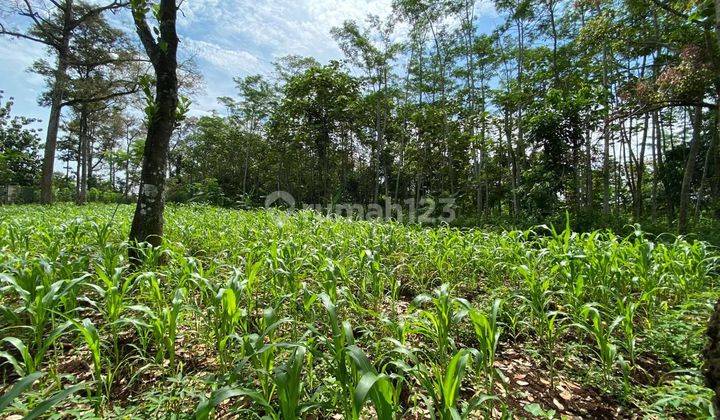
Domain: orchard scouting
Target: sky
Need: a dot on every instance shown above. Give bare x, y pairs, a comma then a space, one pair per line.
228, 38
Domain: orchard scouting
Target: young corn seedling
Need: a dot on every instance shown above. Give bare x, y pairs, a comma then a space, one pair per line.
285, 262
259, 348
333, 274
228, 315
113, 290
626, 321
341, 337
287, 382
379, 388
163, 324
40, 303
487, 332
30, 359
289, 385
553, 328
437, 322
442, 386
41, 407
371, 265
537, 302
91, 337
602, 333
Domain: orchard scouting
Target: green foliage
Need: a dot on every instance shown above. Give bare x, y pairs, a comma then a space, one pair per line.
19, 148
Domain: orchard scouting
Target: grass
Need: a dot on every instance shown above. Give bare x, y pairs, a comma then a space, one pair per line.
266, 314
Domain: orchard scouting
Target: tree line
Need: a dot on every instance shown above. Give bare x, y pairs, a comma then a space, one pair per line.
605, 109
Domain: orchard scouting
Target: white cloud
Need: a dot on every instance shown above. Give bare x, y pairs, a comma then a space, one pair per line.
227, 60
281, 27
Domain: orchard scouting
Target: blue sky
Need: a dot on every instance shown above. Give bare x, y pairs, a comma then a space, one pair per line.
228, 38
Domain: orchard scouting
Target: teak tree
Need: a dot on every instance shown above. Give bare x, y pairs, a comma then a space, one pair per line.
161, 45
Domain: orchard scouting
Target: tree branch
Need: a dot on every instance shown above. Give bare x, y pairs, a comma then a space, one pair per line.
40, 23
57, 4
146, 37
99, 10
627, 113
667, 8
103, 98
4, 31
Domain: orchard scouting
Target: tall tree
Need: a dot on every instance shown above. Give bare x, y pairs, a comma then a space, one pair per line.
162, 115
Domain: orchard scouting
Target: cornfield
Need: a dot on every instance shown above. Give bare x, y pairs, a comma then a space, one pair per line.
266, 314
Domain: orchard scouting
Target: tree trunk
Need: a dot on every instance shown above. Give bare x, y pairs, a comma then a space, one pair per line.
56, 99
606, 132
656, 167
640, 167
513, 163
706, 165
378, 146
689, 171
148, 222
84, 157
126, 193
588, 171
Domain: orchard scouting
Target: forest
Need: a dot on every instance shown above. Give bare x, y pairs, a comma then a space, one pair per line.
456, 216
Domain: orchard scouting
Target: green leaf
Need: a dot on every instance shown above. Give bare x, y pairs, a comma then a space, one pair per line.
206, 406
44, 406
18, 388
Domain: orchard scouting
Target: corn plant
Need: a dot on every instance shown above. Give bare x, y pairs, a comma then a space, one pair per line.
626, 320
341, 337
259, 349
227, 314
602, 333
285, 261
91, 337
163, 324
31, 359
42, 406
537, 301
289, 385
287, 382
382, 389
113, 290
487, 332
442, 385
437, 322
40, 299
373, 274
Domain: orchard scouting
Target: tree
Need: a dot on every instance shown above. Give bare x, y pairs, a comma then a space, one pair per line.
316, 117
162, 115
248, 117
19, 161
103, 70
373, 57
55, 27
